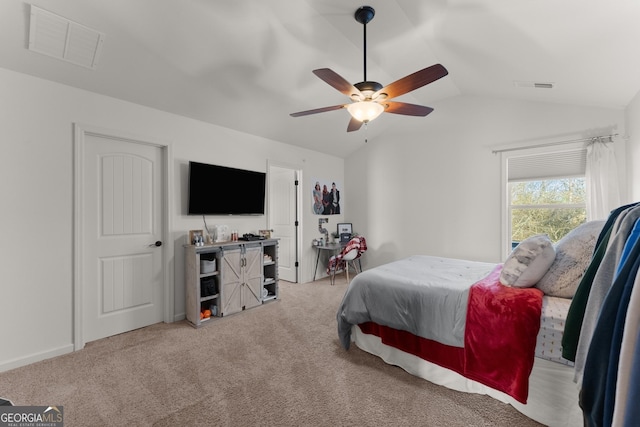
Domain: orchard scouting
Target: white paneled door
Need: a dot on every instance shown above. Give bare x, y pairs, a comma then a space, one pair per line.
122, 276
282, 219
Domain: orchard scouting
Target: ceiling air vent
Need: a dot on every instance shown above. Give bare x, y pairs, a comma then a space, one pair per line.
536, 85
61, 38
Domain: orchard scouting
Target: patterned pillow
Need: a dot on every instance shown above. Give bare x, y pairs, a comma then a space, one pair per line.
528, 262
573, 255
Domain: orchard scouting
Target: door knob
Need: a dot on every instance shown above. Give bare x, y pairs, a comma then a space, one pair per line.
157, 243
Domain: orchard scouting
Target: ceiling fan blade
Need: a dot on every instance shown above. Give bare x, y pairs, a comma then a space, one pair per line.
336, 81
407, 109
317, 110
413, 81
354, 125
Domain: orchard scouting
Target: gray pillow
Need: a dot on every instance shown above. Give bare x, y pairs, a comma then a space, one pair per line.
528, 262
573, 255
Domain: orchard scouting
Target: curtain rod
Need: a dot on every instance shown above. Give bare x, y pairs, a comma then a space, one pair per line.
558, 143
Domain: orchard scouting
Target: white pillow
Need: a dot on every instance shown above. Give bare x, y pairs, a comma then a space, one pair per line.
573, 255
528, 262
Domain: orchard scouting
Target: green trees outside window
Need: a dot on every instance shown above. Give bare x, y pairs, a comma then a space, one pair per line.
553, 207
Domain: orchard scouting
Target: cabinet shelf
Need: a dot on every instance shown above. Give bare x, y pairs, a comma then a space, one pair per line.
213, 273
209, 298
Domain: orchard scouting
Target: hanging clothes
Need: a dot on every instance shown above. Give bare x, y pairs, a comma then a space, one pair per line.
597, 396
632, 411
575, 315
602, 283
629, 361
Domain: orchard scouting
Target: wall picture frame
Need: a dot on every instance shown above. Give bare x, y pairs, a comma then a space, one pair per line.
326, 197
193, 234
345, 228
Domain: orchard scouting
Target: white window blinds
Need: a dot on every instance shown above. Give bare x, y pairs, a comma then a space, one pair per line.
547, 165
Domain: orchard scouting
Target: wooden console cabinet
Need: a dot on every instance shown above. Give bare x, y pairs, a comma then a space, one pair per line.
240, 275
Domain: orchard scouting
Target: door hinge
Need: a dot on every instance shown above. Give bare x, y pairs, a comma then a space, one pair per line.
297, 264
295, 182
296, 223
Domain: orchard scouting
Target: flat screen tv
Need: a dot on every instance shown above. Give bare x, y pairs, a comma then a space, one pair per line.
221, 190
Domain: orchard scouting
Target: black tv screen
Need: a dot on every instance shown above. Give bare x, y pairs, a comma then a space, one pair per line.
221, 190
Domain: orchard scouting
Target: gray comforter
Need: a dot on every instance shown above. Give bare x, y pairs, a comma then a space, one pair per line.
424, 295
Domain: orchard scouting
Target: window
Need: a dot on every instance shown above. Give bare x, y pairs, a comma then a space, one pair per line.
545, 193
552, 206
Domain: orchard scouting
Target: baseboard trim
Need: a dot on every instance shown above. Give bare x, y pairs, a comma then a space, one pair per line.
36, 357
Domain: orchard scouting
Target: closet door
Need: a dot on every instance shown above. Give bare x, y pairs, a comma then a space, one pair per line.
121, 217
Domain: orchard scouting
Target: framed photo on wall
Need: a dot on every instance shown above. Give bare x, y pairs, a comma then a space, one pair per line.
326, 199
345, 228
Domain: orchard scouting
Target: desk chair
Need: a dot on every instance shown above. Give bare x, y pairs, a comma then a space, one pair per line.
349, 255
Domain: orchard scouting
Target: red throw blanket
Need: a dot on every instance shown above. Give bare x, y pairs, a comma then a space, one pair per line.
500, 337
336, 262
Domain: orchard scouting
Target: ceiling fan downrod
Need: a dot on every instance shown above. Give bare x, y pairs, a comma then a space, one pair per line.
364, 15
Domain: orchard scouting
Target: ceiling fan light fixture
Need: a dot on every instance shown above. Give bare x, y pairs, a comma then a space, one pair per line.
369, 99
365, 111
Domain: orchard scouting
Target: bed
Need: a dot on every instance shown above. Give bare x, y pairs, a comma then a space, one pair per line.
439, 318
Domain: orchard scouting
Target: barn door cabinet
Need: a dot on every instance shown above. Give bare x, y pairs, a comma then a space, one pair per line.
244, 275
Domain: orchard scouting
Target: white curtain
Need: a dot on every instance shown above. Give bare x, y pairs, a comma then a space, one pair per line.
601, 174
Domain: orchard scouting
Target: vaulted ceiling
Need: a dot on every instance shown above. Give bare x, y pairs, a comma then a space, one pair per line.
247, 64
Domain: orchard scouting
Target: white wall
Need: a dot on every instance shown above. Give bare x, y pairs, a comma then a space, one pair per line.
633, 147
36, 181
436, 189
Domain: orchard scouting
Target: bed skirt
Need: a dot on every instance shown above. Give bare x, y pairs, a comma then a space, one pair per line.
553, 396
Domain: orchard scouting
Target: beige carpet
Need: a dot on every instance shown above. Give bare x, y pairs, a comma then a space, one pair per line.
276, 365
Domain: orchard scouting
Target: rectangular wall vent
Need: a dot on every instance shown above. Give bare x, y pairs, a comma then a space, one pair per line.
58, 37
536, 85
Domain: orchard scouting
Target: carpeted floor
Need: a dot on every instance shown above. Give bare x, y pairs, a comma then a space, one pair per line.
276, 365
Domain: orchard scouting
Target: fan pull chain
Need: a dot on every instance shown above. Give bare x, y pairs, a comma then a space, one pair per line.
366, 136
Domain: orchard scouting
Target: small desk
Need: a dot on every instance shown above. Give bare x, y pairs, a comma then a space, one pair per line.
333, 247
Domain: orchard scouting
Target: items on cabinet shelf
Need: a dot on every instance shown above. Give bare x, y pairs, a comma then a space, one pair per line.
202, 283
265, 233
222, 233
270, 271
196, 238
249, 237
207, 266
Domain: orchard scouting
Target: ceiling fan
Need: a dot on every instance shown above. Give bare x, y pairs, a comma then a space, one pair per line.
368, 98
